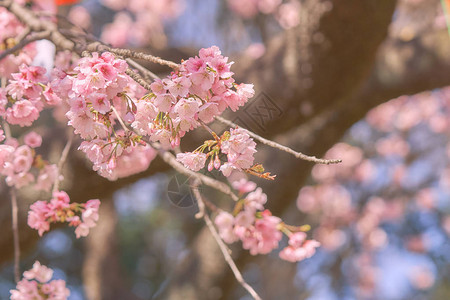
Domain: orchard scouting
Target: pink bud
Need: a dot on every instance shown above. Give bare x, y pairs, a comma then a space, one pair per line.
129, 117
217, 162
175, 142
210, 165
112, 163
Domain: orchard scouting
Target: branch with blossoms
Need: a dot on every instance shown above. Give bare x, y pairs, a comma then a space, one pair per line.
125, 121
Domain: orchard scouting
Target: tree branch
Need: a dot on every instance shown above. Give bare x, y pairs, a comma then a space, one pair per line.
281, 147
22, 43
15, 227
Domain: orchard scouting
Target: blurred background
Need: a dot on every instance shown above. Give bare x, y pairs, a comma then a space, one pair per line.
366, 81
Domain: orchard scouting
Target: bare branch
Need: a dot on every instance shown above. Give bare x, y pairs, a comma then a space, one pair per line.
136, 77
61, 162
97, 46
22, 43
125, 128
281, 147
147, 57
223, 248
35, 24
15, 228
147, 73
15, 214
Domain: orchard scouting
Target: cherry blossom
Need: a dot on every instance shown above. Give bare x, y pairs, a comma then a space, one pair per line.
259, 231
299, 248
59, 209
36, 284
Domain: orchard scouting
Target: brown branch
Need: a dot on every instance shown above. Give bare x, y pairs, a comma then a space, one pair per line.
124, 127
14, 218
147, 73
147, 57
97, 46
136, 77
15, 228
22, 43
281, 147
29, 18
61, 162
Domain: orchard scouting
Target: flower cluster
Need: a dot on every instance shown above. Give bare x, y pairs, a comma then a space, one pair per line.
236, 144
201, 89
299, 248
15, 164
98, 87
21, 100
18, 163
239, 148
259, 231
82, 216
97, 82
36, 284
115, 159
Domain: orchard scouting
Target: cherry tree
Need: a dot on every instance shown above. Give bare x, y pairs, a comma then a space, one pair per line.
123, 116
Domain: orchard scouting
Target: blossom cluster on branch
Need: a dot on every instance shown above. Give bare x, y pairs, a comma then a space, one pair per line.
259, 231
37, 284
236, 144
122, 127
83, 216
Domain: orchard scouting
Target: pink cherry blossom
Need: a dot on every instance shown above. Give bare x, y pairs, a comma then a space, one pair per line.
192, 160
225, 222
239, 148
256, 200
164, 102
299, 248
244, 186
59, 209
22, 113
36, 284
47, 177
37, 217
178, 86
33, 139
263, 237
39, 272
186, 108
99, 102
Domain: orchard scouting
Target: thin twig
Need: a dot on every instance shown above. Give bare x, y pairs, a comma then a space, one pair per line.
15, 228
61, 162
220, 186
136, 77
281, 147
125, 128
14, 213
32, 38
141, 69
133, 54
23, 34
143, 56
223, 248
209, 129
